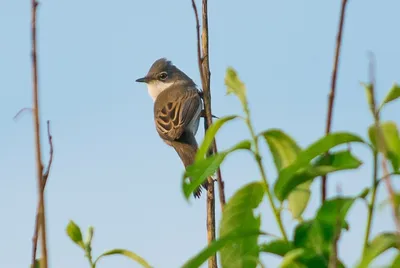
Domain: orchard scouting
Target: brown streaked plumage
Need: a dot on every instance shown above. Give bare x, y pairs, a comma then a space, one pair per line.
177, 109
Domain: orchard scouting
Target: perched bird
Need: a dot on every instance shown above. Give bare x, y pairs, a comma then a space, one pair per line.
177, 109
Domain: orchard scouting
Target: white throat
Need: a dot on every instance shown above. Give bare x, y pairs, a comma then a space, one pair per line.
156, 87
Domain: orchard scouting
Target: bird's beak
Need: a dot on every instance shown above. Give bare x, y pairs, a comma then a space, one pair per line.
143, 80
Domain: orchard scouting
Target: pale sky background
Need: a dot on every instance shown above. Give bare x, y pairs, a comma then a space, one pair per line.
112, 171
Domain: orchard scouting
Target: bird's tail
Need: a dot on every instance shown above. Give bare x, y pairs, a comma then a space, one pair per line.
186, 147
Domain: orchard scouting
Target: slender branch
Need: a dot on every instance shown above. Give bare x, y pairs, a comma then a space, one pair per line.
333, 85
44, 181
204, 68
39, 167
333, 258
212, 261
392, 194
371, 206
258, 158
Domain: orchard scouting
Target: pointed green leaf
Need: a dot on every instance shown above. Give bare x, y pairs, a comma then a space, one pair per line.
203, 168
89, 236
370, 97
278, 247
318, 234
333, 162
379, 244
302, 258
216, 245
364, 193
285, 151
74, 232
238, 217
298, 199
125, 253
394, 93
210, 135
283, 148
391, 142
335, 210
236, 86
303, 160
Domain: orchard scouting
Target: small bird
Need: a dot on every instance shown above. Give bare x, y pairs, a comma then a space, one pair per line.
177, 109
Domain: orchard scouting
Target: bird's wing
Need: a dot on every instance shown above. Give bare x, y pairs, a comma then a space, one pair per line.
176, 114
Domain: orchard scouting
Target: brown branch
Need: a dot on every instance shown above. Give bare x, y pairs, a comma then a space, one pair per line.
333, 85
204, 68
202, 59
212, 261
39, 167
392, 194
44, 181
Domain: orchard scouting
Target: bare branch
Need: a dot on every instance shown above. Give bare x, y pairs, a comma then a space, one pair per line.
333, 85
392, 194
41, 219
45, 177
20, 112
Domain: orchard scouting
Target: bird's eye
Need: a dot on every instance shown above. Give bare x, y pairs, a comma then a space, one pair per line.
163, 76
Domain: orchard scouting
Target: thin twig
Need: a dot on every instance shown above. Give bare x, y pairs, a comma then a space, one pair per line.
204, 68
212, 261
45, 177
392, 194
333, 258
203, 62
20, 112
333, 85
36, 121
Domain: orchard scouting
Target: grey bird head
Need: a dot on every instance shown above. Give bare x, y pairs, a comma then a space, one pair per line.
163, 74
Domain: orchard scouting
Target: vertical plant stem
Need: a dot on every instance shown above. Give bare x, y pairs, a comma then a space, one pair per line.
204, 68
44, 181
258, 158
392, 194
212, 262
373, 198
333, 85
36, 121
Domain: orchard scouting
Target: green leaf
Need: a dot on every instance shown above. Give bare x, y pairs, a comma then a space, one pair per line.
390, 146
285, 151
89, 237
237, 218
125, 253
210, 135
396, 261
319, 234
235, 86
216, 245
335, 210
379, 245
278, 247
302, 258
37, 264
298, 199
394, 93
370, 98
283, 148
333, 162
203, 168
364, 193
74, 232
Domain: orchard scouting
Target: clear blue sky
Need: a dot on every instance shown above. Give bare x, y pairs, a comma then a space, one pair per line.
111, 169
